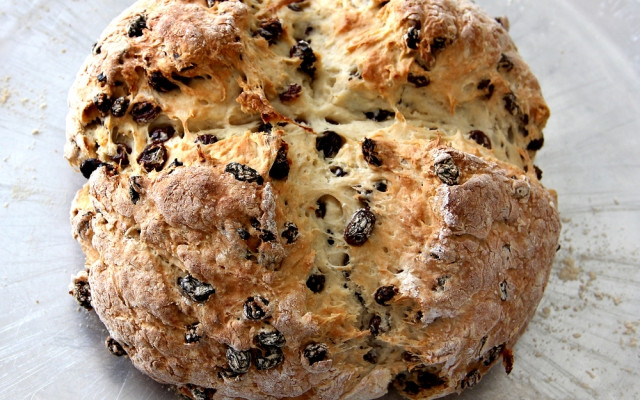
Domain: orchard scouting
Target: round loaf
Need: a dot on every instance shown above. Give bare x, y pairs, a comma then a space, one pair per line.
310, 199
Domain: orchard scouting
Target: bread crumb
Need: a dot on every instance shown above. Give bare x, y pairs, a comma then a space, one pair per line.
577, 335
570, 272
35, 131
591, 374
5, 205
5, 96
43, 106
546, 312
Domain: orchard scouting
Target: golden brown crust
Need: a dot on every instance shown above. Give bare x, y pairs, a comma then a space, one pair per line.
385, 227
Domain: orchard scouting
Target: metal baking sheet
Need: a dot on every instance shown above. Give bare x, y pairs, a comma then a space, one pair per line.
583, 342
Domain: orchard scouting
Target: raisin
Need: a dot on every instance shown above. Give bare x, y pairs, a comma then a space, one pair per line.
254, 307
510, 104
114, 347
162, 134
144, 112
293, 92
371, 357
303, 51
380, 186
271, 357
267, 236
134, 189
374, 325
471, 379
480, 138
329, 143
191, 335
359, 229
103, 103
270, 30
265, 127
418, 80
411, 387
119, 107
239, 361
321, 210
412, 38
160, 83
338, 171
447, 171
507, 360
486, 86
136, 25
370, 153
380, 115
505, 63
91, 164
121, 157
315, 352
280, 168
206, 139
210, 3
82, 293
153, 157
315, 283
535, 144
538, 172
492, 354
428, 380
295, 6
503, 290
244, 235
290, 233
200, 393
195, 289
255, 223
244, 173
385, 294
439, 43
268, 339
102, 77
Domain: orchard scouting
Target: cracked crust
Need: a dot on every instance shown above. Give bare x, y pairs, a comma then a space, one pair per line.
216, 210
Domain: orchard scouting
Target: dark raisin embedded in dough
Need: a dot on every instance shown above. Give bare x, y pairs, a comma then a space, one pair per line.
418, 80
191, 335
153, 157
315, 283
161, 83
270, 30
492, 354
535, 144
447, 171
271, 357
82, 293
292, 92
244, 235
538, 172
265, 127
239, 361
102, 77
487, 87
210, 3
267, 236
329, 143
303, 51
481, 138
370, 153
91, 164
176, 163
503, 290
255, 223
505, 63
471, 379
121, 157
254, 307
244, 173
380, 186
510, 104
114, 347
280, 168
290, 233
411, 387
428, 380
441, 281
374, 325
162, 134
385, 294
338, 171
412, 38
274, 338
134, 189
321, 209
103, 103
206, 139
195, 289
201, 393
145, 112
380, 115
136, 26
360, 228
371, 357
119, 107
315, 352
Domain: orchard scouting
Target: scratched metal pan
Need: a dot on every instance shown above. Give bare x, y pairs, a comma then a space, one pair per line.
583, 341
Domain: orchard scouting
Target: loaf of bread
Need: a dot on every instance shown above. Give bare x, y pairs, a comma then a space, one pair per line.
310, 199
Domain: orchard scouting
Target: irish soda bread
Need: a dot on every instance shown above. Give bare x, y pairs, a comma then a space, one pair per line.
312, 200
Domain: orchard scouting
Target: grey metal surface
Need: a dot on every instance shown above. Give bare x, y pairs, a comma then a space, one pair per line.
583, 343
